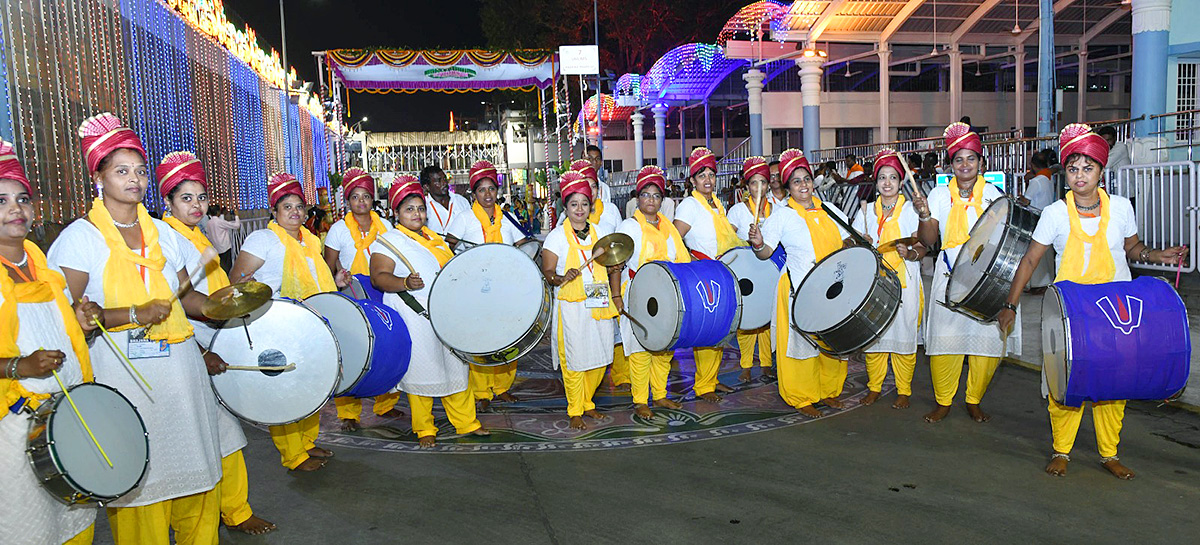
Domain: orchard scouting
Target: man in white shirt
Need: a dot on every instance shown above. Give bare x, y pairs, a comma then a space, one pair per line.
220, 233
596, 157
1118, 152
445, 209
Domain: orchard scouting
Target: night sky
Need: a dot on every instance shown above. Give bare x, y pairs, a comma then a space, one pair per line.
317, 25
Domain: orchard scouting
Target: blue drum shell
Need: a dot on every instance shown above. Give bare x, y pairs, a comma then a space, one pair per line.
391, 354
706, 321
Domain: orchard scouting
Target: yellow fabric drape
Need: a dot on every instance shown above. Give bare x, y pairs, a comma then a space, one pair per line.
656, 238
726, 235
825, 236
213, 273
597, 210
887, 230
957, 232
362, 260
1100, 268
123, 281
573, 291
298, 281
491, 230
48, 285
766, 211
431, 241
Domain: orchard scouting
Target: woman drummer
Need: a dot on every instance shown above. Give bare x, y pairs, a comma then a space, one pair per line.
133, 265
701, 221
582, 335
347, 247
654, 239
287, 257
40, 332
948, 214
184, 187
1077, 226
486, 224
434, 372
891, 218
808, 234
756, 176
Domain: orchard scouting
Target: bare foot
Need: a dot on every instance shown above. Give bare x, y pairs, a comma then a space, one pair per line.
349, 424
643, 411
977, 414
311, 464
318, 452
1118, 470
744, 376
901, 402
1058, 466
482, 405
429, 441
576, 423
668, 403
595, 415
832, 403
481, 432
937, 414
393, 413
711, 397
809, 410
871, 398
768, 372
723, 388
254, 526
507, 397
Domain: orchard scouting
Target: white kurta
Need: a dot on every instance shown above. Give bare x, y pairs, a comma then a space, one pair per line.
702, 229
433, 371
741, 216
265, 245
949, 332
180, 413
339, 238
786, 227
1054, 228
632, 228
30, 514
587, 343
473, 230
445, 220
901, 336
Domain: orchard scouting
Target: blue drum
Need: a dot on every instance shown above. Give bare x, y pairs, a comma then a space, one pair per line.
373, 340
361, 288
1119, 340
683, 305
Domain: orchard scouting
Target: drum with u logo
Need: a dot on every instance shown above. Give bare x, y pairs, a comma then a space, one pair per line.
373, 341
683, 305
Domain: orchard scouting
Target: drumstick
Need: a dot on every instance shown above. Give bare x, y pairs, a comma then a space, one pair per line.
599, 252
120, 353
908, 176
78, 415
1178, 270
288, 367
206, 257
758, 205
396, 251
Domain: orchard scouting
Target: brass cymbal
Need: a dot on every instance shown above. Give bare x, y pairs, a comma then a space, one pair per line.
236, 300
903, 241
617, 249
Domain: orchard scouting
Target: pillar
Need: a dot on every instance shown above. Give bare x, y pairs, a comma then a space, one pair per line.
660, 133
885, 84
956, 83
1045, 88
683, 151
754, 86
1081, 87
1019, 95
708, 128
810, 99
638, 153
724, 130
1151, 23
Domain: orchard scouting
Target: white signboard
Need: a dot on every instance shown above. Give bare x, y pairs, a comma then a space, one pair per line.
579, 60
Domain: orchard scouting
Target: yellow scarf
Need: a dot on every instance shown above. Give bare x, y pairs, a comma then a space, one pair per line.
766, 213
362, 260
298, 281
887, 230
825, 236
123, 281
597, 210
957, 232
1100, 268
726, 236
48, 285
656, 238
491, 230
431, 241
213, 273
576, 252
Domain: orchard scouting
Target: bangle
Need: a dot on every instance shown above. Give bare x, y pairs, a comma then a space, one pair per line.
1145, 255
133, 316
406, 288
1010, 306
759, 247
12, 368
924, 218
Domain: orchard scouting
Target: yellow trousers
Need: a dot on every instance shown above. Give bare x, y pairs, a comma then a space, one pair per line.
902, 368
294, 440
619, 373
746, 339
460, 409
807, 381
947, 369
580, 387
235, 490
1107, 417
648, 374
487, 382
196, 520
348, 408
708, 363
83, 538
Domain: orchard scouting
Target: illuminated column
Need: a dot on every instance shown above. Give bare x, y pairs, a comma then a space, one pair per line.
885, 95
638, 154
1045, 87
810, 98
754, 86
660, 133
1151, 24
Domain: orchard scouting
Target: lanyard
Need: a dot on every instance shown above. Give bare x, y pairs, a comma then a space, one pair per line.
582, 253
13, 266
449, 212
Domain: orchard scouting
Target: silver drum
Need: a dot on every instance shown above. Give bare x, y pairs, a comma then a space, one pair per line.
987, 262
847, 301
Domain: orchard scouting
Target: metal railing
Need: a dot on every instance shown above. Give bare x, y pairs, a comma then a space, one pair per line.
1165, 202
1181, 132
249, 225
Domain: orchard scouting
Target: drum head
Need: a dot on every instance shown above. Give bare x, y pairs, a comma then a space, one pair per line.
486, 298
977, 254
119, 430
281, 332
757, 280
531, 249
353, 332
656, 307
835, 289
1056, 338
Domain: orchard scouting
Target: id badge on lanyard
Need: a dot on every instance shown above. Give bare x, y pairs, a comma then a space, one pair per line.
141, 346
595, 295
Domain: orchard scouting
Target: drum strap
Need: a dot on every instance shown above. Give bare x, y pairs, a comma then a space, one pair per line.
408, 299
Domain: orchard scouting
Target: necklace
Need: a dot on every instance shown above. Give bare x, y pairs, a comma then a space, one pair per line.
582, 233
887, 207
126, 225
1087, 208
964, 194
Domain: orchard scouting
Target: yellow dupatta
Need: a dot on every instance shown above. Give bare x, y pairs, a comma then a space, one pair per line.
298, 281
726, 236
656, 238
957, 232
1100, 267
431, 241
888, 229
597, 210
825, 236
124, 284
577, 253
214, 275
47, 285
766, 213
362, 260
491, 229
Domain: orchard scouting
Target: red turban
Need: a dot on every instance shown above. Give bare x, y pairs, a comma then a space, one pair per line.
789, 161
10, 167
573, 181
651, 174
403, 186
887, 158
959, 137
103, 134
584, 167
755, 165
357, 177
483, 170
1079, 138
178, 167
281, 185
701, 157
